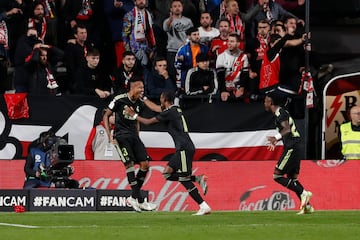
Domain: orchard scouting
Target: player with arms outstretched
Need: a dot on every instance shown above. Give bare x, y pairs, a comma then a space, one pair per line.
179, 167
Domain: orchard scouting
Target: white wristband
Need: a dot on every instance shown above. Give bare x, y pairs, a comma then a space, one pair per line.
278, 136
135, 116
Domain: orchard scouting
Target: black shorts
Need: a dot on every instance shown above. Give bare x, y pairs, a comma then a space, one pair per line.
131, 149
181, 162
289, 162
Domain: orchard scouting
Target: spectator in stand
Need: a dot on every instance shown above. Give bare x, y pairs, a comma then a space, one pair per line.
256, 48
43, 80
271, 64
37, 19
277, 27
80, 12
159, 80
88, 79
271, 11
350, 135
191, 10
98, 146
75, 56
13, 13
201, 80
233, 70
186, 56
237, 20
51, 16
206, 31
175, 26
160, 11
115, 11
220, 43
129, 69
24, 48
138, 34
292, 61
4, 46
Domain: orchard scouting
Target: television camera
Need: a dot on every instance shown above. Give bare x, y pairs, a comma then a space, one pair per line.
61, 155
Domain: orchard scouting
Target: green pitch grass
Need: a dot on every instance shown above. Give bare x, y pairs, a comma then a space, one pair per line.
339, 225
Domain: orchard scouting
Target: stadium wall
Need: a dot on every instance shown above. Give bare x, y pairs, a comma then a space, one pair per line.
220, 131
233, 185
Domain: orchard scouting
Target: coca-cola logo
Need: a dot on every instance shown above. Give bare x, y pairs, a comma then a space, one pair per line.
258, 198
169, 196
330, 163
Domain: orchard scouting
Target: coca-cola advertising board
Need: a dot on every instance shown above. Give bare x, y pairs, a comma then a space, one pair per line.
233, 185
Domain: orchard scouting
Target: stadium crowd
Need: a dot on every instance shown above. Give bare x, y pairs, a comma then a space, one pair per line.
200, 49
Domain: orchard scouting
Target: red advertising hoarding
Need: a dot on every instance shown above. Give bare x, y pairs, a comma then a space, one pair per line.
233, 185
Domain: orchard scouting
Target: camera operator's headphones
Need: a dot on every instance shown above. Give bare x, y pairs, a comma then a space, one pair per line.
47, 139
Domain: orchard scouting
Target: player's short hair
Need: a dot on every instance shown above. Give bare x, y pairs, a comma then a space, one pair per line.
276, 98
168, 96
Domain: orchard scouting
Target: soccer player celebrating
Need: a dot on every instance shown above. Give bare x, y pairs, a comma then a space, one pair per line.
128, 143
289, 162
179, 167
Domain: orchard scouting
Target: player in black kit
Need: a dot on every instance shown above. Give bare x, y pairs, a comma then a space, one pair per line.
289, 162
127, 141
179, 167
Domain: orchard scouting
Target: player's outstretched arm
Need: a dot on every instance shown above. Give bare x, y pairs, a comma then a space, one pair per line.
151, 105
147, 121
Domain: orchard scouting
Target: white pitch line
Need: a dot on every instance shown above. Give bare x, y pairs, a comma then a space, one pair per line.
17, 225
59, 227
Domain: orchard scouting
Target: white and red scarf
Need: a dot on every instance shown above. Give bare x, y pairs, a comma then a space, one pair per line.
32, 24
143, 26
261, 50
4, 38
52, 84
236, 25
233, 77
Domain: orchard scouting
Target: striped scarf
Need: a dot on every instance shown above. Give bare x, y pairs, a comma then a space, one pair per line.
4, 38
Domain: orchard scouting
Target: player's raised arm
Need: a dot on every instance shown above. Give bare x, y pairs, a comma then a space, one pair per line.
151, 105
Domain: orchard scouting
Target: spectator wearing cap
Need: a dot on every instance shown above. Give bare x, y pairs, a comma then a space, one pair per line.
201, 80
186, 56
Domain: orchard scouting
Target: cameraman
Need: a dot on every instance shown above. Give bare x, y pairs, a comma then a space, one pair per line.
38, 162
